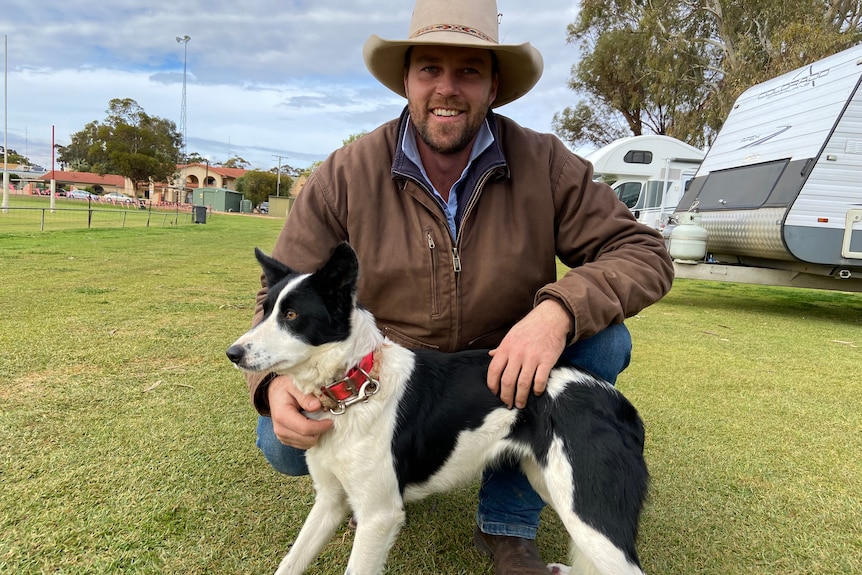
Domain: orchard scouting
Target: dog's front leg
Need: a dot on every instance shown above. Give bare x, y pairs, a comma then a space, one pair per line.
328, 512
377, 526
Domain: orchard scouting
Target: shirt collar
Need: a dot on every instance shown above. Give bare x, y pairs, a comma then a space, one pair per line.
484, 139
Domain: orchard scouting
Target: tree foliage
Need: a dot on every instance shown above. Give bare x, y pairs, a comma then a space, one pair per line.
13, 157
129, 142
235, 162
287, 171
353, 137
310, 169
195, 158
257, 186
676, 67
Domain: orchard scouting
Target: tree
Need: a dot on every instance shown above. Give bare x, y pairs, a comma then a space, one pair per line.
257, 186
195, 158
590, 124
14, 157
353, 137
634, 79
235, 162
310, 169
129, 142
77, 154
286, 170
676, 68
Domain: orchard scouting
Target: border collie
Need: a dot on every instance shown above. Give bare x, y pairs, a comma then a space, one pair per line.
411, 423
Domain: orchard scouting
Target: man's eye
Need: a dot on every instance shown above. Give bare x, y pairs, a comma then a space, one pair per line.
290, 315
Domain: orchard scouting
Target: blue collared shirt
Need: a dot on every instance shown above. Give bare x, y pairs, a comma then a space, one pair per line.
483, 140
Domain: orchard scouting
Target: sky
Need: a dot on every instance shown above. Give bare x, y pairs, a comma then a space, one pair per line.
273, 82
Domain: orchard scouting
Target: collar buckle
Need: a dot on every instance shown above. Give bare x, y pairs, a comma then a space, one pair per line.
358, 385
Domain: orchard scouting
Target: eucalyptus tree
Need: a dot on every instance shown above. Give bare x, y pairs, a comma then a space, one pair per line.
676, 67
128, 142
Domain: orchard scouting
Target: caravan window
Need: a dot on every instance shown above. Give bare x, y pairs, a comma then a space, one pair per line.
654, 196
637, 195
740, 187
638, 157
628, 193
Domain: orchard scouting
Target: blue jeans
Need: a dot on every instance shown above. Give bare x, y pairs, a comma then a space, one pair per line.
508, 505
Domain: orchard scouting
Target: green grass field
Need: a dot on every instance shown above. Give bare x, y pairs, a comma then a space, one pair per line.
127, 438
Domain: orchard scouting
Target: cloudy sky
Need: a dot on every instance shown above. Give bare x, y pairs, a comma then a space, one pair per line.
265, 78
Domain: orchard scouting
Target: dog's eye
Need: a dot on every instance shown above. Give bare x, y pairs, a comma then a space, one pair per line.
290, 314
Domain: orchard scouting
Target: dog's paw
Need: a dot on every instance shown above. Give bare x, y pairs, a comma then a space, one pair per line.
558, 569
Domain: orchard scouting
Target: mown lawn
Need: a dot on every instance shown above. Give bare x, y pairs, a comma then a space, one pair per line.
127, 439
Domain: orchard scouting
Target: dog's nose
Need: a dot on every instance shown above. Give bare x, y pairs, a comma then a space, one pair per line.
235, 353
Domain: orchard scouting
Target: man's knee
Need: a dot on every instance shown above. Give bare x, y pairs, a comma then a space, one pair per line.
605, 354
282, 458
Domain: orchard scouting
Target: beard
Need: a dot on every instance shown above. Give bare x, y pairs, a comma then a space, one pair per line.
442, 138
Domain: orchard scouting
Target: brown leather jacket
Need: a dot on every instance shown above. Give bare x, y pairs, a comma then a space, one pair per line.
530, 199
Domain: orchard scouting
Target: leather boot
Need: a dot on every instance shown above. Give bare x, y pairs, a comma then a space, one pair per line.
511, 555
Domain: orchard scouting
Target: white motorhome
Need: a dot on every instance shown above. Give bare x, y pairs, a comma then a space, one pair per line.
781, 186
648, 173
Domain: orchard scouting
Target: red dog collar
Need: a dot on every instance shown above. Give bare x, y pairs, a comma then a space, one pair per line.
357, 385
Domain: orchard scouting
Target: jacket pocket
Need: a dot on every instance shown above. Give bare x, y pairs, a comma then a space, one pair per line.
488, 340
435, 294
406, 340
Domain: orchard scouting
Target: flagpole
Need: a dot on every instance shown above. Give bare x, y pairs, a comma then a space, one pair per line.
53, 174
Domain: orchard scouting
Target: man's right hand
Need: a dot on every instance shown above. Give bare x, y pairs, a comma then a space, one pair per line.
286, 406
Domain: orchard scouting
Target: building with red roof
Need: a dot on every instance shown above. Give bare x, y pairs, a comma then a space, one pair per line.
195, 175
81, 180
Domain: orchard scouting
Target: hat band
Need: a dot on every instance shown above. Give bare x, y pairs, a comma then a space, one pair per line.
453, 28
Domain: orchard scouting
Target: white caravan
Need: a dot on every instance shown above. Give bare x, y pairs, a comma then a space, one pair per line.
648, 173
781, 186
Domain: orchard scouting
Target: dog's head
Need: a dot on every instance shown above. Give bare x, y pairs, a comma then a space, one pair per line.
301, 313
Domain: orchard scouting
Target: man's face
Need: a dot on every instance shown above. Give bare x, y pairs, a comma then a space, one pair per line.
449, 91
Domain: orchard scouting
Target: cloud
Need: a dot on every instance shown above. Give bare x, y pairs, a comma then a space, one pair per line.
264, 77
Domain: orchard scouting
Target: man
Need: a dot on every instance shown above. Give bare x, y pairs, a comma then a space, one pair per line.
457, 214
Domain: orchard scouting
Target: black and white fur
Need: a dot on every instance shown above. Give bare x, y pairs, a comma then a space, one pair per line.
434, 425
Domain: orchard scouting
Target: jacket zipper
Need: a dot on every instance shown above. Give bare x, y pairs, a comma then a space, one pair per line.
456, 259
474, 198
456, 256
456, 249
456, 253
435, 303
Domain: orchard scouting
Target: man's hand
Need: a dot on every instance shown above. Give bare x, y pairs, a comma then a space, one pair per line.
525, 357
291, 426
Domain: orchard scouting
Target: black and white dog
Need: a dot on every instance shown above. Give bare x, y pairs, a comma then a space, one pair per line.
411, 423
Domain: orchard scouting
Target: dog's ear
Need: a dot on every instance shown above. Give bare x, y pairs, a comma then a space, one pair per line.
342, 269
337, 278
273, 270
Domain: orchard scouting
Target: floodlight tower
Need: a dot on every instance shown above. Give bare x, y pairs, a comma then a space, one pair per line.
184, 40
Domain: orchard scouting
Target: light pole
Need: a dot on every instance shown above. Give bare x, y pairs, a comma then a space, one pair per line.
184, 40
5, 123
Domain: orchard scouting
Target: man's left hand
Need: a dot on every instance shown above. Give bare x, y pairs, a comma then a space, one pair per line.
525, 357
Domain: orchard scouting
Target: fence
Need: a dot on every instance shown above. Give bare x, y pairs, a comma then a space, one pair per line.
44, 218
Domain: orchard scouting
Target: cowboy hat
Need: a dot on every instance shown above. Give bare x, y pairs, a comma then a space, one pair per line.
464, 23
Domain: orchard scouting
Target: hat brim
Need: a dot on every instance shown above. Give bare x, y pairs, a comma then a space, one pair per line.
521, 65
